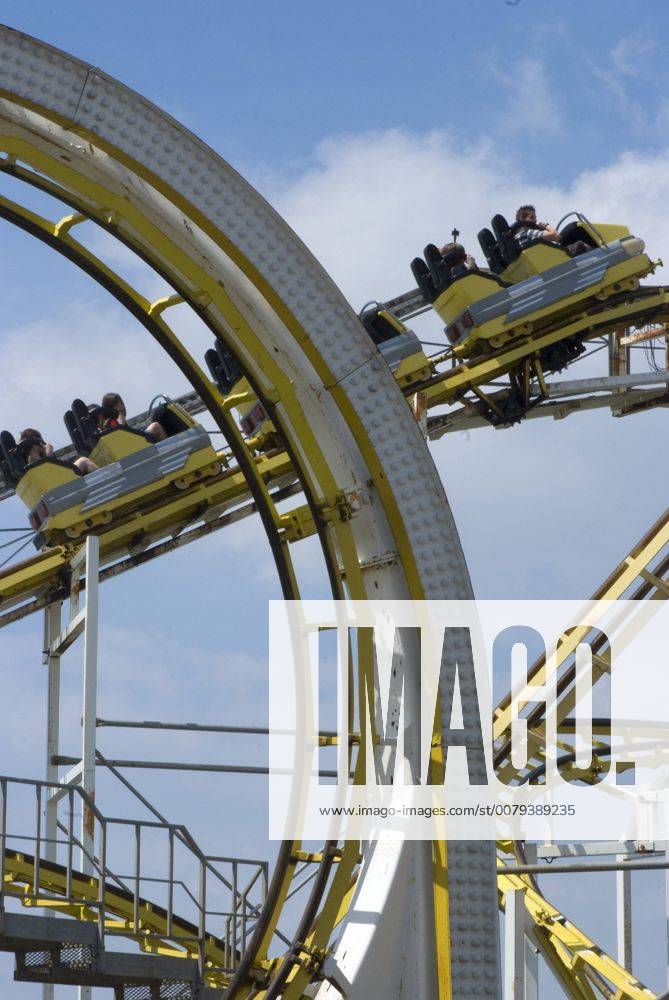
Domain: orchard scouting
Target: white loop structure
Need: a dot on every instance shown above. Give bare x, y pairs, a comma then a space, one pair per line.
186, 210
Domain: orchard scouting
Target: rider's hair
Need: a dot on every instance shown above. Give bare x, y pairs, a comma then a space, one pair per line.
524, 211
30, 432
454, 248
111, 404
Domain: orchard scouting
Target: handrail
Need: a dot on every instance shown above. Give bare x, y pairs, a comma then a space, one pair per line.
242, 914
584, 219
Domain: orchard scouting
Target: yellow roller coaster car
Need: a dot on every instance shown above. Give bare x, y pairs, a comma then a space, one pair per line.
514, 263
254, 421
135, 474
536, 288
399, 346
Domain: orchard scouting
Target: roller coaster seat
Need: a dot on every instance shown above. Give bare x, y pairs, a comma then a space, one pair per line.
421, 273
400, 347
440, 272
173, 417
520, 263
66, 505
380, 324
103, 446
576, 234
83, 425
12, 463
32, 480
116, 442
438, 266
507, 246
474, 311
491, 251
224, 367
228, 376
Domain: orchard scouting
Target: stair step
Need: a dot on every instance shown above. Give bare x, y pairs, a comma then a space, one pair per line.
67, 952
168, 990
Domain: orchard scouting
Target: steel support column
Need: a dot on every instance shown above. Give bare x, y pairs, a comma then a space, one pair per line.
52, 620
514, 945
83, 622
624, 916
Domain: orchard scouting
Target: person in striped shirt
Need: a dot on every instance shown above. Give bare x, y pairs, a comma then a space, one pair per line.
527, 230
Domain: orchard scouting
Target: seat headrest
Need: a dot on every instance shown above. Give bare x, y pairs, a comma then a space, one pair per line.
86, 420
421, 273
12, 463
223, 366
491, 249
499, 225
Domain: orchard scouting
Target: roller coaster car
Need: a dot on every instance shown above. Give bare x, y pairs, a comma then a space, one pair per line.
399, 346
254, 420
514, 263
114, 443
136, 475
484, 310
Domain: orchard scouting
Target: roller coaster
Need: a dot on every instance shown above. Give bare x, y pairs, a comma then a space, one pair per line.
326, 417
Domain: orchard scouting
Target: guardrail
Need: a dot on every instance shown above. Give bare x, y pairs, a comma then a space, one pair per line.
155, 863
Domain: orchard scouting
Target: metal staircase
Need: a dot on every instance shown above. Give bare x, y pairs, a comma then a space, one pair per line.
69, 952
187, 956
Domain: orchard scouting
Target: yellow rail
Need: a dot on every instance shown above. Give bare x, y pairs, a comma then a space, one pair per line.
568, 949
43, 572
631, 579
151, 934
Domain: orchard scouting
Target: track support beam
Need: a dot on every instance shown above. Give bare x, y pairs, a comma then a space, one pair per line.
514, 945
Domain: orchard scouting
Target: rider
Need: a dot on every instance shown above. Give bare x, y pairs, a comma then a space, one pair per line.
527, 230
34, 448
113, 414
458, 259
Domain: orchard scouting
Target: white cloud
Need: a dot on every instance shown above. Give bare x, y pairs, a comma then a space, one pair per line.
524, 498
632, 53
369, 203
631, 62
84, 351
532, 105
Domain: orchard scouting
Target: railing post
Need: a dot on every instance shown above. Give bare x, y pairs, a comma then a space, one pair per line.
202, 903
3, 840
666, 912
234, 914
70, 844
170, 882
90, 698
226, 957
624, 916
265, 880
38, 838
531, 951
52, 623
244, 918
138, 855
514, 945
102, 883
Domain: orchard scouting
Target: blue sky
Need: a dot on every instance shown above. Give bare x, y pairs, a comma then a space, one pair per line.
267, 82
374, 129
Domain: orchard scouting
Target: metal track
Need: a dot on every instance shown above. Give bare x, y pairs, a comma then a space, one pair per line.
311, 362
